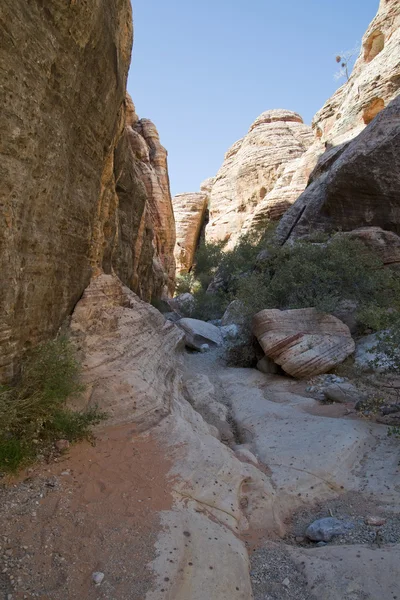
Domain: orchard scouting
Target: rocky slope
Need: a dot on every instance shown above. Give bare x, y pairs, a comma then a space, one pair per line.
74, 202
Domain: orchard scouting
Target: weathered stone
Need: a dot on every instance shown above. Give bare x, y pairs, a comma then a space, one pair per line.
190, 211
384, 244
84, 182
267, 366
343, 392
304, 342
367, 355
323, 530
57, 146
135, 358
183, 303
198, 333
356, 185
233, 314
251, 169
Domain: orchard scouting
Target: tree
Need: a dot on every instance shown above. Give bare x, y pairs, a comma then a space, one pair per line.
346, 60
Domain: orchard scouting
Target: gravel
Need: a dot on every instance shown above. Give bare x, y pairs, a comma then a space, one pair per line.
352, 508
275, 576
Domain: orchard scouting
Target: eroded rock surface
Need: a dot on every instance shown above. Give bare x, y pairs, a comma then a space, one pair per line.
354, 185
190, 211
84, 183
252, 167
304, 342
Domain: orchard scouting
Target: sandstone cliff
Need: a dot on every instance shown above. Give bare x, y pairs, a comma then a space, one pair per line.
190, 211
354, 185
264, 173
251, 169
73, 202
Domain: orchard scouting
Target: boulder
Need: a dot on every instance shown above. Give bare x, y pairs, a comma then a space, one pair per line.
233, 314
343, 393
183, 303
323, 530
367, 356
267, 366
304, 342
384, 244
199, 334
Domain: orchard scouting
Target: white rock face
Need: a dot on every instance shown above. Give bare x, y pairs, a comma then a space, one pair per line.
251, 169
189, 210
132, 366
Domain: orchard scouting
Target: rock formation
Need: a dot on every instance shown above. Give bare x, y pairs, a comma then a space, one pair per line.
354, 185
264, 173
252, 167
374, 81
132, 367
73, 201
190, 211
304, 342
142, 237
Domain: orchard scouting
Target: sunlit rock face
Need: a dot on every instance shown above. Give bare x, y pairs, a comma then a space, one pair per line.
76, 200
251, 168
190, 212
374, 82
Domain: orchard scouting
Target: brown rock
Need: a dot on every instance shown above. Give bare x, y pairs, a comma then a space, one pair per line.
304, 342
64, 67
190, 211
355, 185
385, 244
62, 445
81, 193
251, 169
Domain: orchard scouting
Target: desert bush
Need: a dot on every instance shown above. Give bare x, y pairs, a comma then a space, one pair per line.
184, 283
321, 276
32, 409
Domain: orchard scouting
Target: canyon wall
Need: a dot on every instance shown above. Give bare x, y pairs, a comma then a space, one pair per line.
74, 203
190, 213
264, 173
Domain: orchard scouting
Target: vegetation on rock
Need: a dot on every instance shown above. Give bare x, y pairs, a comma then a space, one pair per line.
33, 414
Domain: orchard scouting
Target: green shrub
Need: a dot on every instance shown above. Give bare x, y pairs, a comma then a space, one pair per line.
32, 410
321, 276
184, 283
208, 306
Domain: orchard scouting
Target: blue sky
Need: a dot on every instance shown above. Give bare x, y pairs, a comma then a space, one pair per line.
204, 70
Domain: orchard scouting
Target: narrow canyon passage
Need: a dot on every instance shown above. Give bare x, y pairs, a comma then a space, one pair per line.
174, 513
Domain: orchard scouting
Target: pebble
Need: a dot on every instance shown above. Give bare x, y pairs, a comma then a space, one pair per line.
323, 530
286, 582
62, 445
98, 577
321, 544
376, 521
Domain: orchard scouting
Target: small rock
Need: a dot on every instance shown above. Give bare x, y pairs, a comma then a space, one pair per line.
97, 577
204, 348
286, 582
376, 521
299, 539
323, 530
62, 445
321, 544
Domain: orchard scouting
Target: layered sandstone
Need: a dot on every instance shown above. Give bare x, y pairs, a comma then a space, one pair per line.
75, 201
251, 169
132, 368
374, 81
190, 212
304, 342
354, 185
